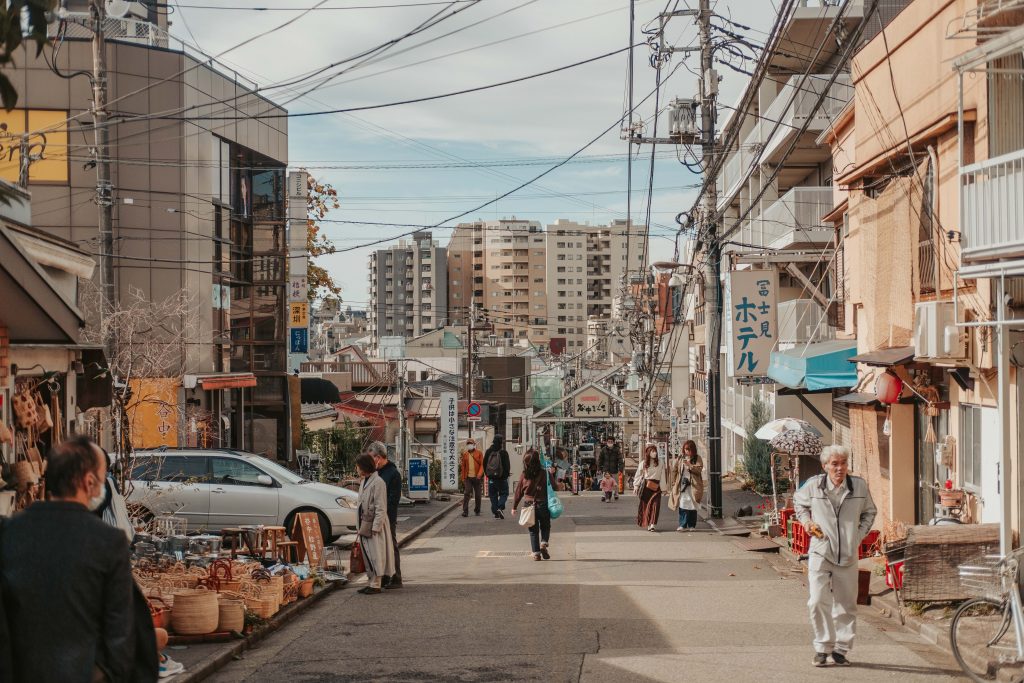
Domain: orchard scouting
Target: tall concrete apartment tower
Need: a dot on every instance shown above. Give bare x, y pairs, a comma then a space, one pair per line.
500, 266
585, 266
408, 288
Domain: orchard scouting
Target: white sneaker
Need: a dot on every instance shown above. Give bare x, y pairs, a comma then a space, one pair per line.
650, 528
679, 528
169, 667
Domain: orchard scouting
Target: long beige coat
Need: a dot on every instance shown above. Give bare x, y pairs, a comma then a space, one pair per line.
378, 548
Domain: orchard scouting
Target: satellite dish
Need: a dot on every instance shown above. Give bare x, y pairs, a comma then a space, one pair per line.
117, 8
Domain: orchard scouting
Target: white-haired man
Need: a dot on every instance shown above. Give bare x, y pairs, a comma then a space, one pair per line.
837, 511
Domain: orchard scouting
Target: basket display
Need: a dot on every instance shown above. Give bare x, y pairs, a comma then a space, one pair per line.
231, 613
195, 612
927, 563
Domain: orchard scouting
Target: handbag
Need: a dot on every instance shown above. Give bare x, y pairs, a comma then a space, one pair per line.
554, 504
528, 515
355, 559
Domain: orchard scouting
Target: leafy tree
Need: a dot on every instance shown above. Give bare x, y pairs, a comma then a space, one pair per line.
20, 20
757, 452
322, 199
337, 447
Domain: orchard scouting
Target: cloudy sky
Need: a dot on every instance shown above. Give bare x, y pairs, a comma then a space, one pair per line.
420, 164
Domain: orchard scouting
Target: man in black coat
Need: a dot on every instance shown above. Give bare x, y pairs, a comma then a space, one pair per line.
608, 460
387, 471
497, 468
66, 582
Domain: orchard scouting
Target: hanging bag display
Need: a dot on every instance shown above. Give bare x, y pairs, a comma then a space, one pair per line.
25, 413
6, 435
44, 420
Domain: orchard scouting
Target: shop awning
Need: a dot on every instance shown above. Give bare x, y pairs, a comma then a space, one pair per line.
885, 358
859, 398
221, 380
815, 366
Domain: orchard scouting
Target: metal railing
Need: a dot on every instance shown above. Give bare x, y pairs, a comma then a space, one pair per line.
798, 211
794, 105
992, 208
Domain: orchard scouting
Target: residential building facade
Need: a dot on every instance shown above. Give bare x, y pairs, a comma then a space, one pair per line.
408, 288
198, 215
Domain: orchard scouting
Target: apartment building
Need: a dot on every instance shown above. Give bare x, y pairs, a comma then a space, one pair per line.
774, 194
585, 267
198, 207
408, 288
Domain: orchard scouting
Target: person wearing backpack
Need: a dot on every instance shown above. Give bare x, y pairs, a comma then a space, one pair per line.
497, 469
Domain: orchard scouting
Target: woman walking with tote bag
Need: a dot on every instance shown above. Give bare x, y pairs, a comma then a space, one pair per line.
648, 484
532, 491
374, 528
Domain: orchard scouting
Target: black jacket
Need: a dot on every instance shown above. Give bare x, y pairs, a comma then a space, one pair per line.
506, 466
608, 460
393, 480
68, 595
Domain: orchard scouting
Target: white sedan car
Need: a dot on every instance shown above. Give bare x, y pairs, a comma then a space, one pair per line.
218, 488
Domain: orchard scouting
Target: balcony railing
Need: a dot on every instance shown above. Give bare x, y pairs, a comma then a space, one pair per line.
796, 219
992, 213
794, 105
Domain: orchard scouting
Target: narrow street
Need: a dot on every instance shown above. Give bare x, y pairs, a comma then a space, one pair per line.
614, 603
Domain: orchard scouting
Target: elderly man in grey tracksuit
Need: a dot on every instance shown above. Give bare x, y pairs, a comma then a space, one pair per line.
837, 511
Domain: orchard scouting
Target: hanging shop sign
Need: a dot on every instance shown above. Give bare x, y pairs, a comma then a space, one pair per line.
591, 403
298, 340
153, 412
298, 315
449, 416
753, 321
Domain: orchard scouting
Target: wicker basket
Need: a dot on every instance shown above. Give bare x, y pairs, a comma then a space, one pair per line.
24, 474
934, 554
306, 588
261, 598
231, 613
195, 612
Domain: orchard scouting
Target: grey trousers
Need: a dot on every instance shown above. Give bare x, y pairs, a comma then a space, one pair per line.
832, 604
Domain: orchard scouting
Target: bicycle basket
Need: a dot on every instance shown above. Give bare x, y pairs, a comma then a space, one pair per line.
982, 577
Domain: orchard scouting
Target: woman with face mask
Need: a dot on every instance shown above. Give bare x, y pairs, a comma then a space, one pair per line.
648, 485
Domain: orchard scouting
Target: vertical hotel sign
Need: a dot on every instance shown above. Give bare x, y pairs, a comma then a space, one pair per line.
753, 317
298, 260
448, 441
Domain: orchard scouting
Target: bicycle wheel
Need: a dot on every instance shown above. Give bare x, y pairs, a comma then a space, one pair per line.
981, 637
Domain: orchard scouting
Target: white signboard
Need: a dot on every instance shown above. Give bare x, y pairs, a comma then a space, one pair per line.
753, 314
591, 403
674, 447
449, 416
662, 452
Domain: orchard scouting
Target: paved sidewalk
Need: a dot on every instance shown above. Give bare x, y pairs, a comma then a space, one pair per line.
615, 603
201, 661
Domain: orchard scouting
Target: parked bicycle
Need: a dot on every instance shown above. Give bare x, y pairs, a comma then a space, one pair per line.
987, 632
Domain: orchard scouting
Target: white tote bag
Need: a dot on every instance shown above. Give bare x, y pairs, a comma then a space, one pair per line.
528, 515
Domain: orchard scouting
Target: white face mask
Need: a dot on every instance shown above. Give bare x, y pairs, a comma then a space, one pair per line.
96, 501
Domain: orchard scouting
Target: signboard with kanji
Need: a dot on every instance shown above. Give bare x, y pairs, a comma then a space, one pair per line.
306, 533
298, 315
591, 403
448, 440
298, 340
753, 321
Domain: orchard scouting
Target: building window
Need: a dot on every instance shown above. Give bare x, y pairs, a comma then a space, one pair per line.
517, 385
517, 429
970, 446
486, 386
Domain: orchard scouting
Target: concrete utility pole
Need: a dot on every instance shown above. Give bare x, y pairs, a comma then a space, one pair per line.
104, 187
470, 352
402, 441
712, 272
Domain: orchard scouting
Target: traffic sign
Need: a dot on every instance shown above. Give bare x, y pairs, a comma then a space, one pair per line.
473, 410
474, 418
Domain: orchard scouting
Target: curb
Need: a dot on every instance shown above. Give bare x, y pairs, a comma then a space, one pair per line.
211, 665
216, 662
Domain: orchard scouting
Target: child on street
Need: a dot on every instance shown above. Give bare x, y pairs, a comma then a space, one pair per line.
608, 487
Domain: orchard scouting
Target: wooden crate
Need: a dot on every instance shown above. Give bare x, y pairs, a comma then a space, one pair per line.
934, 555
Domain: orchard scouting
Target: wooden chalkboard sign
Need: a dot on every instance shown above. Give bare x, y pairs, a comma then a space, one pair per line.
306, 532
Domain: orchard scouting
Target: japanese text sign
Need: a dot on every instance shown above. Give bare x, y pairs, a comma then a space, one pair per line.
590, 403
753, 298
449, 416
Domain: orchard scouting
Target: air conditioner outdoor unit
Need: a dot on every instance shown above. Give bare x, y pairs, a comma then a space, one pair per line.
936, 335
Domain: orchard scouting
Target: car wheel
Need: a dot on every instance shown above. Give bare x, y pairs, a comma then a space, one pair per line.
325, 525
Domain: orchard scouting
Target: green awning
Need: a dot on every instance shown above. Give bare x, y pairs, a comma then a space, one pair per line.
814, 367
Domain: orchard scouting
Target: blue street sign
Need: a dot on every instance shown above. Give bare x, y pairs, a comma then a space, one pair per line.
299, 338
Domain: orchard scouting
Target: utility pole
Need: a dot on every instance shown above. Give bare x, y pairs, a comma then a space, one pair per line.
470, 352
712, 272
402, 439
104, 187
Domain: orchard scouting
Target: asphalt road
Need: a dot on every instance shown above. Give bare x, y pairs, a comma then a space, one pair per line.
614, 603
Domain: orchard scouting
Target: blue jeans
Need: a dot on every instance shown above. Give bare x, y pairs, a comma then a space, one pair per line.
540, 532
687, 518
497, 491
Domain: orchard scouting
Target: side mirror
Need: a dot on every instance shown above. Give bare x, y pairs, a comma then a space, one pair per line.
265, 480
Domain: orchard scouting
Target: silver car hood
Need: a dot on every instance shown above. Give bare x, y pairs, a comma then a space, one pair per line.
328, 490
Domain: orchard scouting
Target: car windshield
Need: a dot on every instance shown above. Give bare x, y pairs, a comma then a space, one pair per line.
273, 469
